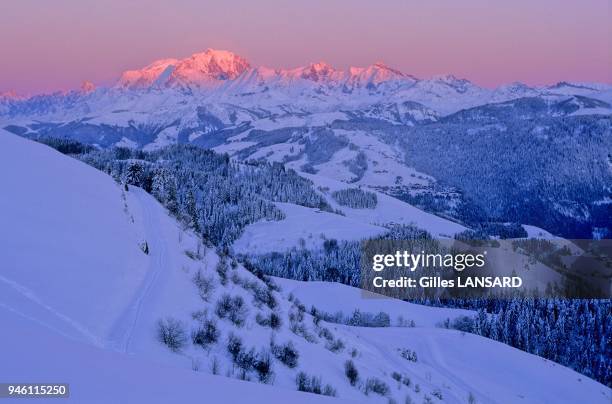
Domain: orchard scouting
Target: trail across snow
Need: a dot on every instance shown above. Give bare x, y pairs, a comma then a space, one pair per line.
31, 297
129, 321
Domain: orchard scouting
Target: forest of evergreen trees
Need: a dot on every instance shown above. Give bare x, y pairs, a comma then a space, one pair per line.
576, 333
217, 197
549, 172
355, 198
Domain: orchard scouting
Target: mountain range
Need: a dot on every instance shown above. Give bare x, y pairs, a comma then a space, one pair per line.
358, 125
224, 76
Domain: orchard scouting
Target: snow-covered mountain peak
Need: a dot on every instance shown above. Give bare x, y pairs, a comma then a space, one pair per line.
203, 69
515, 86
318, 72
87, 87
145, 77
565, 84
375, 74
9, 95
215, 64
514, 90
384, 67
452, 81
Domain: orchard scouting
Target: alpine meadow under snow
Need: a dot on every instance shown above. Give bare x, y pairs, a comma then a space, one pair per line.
194, 233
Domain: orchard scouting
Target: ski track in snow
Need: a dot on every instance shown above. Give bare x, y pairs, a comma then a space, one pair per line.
31, 296
157, 252
129, 320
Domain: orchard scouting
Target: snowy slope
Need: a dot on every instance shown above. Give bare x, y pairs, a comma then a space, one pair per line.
67, 237
335, 297
102, 376
309, 228
313, 226
91, 310
390, 211
493, 372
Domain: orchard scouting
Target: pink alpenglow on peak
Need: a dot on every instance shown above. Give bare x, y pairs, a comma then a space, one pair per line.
204, 69
216, 68
319, 71
209, 66
88, 87
376, 74
146, 76
9, 95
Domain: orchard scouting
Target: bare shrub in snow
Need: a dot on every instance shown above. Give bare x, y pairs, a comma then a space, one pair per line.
404, 322
263, 367
232, 308
171, 332
245, 361
316, 318
301, 330
335, 346
214, 366
236, 279
351, 372
264, 295
329, 390
326, 333
312, 384
286, 353
306, 383
205, 284
408, 354
273, 320
296, 314
234, 346
377, 386
206, 334
222, 269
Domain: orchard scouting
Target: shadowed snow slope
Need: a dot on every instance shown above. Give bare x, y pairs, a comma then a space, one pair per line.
332, 297
66, 239
32, 353
78, 292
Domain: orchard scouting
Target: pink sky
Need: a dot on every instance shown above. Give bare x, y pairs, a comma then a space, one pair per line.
55, 45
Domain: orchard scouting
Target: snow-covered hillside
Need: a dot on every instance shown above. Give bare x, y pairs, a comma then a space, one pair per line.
308, 227
88, 269
66, 224
32, 352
